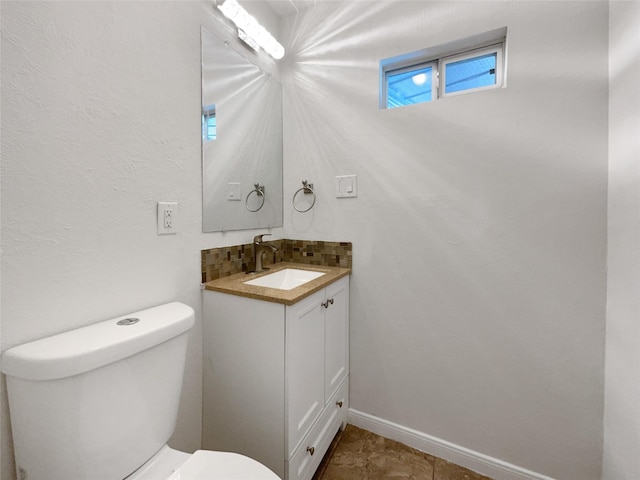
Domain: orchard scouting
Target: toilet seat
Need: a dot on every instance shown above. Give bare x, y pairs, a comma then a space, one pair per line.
209, 465
172, 464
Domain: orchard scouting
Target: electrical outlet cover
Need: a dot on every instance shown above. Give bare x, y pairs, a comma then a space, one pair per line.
167, 217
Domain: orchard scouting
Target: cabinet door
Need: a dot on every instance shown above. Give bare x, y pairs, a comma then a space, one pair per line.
305, 366
336, 335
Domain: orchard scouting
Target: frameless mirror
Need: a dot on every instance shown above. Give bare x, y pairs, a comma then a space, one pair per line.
241, 141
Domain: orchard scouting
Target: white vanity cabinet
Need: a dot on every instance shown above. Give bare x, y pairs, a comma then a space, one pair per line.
276, 377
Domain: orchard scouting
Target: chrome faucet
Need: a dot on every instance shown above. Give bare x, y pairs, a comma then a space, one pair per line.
259, 249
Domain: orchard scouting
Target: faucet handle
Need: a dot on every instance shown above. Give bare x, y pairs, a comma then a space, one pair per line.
258, 238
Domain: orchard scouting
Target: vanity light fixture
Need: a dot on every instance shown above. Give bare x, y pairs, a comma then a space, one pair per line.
250, 31
242, 35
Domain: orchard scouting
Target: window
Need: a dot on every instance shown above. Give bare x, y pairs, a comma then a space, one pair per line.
209, 130
467, 65
409, 85
472, 71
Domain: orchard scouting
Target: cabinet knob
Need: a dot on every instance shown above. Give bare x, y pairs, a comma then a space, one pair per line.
311, 450
339, 403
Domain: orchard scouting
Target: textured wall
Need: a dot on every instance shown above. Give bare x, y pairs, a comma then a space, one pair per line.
622, 388
100, 120
488, 335
488, 332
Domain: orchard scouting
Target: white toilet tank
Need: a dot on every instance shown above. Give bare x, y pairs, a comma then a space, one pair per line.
97, 402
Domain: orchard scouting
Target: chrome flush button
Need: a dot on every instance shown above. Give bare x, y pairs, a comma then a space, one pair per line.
128, 321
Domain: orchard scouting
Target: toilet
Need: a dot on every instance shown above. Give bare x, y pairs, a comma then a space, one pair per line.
101, 402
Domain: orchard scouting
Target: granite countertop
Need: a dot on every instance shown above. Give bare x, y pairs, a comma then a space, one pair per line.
235, 285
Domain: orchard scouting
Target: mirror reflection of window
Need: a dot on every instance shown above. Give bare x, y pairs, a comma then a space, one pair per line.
209, 122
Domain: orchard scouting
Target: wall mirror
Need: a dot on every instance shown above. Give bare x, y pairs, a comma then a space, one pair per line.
241, 141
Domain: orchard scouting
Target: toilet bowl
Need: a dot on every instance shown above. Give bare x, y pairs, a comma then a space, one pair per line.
100, 403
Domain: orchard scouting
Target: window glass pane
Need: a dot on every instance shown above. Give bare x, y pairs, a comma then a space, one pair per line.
470, 73
211, 127
209, 123
406, 87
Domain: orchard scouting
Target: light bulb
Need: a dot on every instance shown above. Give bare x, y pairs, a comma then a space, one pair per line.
419, 79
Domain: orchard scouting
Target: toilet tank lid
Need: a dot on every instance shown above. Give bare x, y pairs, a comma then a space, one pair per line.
87, 348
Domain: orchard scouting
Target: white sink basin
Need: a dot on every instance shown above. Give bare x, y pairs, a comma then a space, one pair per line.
286, 279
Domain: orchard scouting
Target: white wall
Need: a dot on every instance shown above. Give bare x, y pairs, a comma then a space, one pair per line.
100, 120
484, 328
479, 230
622, 387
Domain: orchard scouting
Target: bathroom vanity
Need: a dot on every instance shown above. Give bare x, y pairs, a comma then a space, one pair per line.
276, 368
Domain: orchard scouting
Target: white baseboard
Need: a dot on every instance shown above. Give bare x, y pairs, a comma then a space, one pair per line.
478, 462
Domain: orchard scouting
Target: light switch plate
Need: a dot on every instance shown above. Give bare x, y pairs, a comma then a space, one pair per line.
346, 186
234, 192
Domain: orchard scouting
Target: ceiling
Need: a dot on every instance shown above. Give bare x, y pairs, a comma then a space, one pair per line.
289, 7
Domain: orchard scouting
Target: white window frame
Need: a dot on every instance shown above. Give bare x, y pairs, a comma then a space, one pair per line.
441, 55
442, 69
408, 68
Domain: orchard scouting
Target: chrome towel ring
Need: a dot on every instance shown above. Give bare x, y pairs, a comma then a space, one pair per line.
307, 188
258, 190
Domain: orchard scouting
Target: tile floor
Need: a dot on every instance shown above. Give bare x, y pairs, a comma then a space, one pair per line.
357, 454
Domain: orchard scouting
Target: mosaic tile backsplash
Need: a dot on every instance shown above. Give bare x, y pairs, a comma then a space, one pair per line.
225, 261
